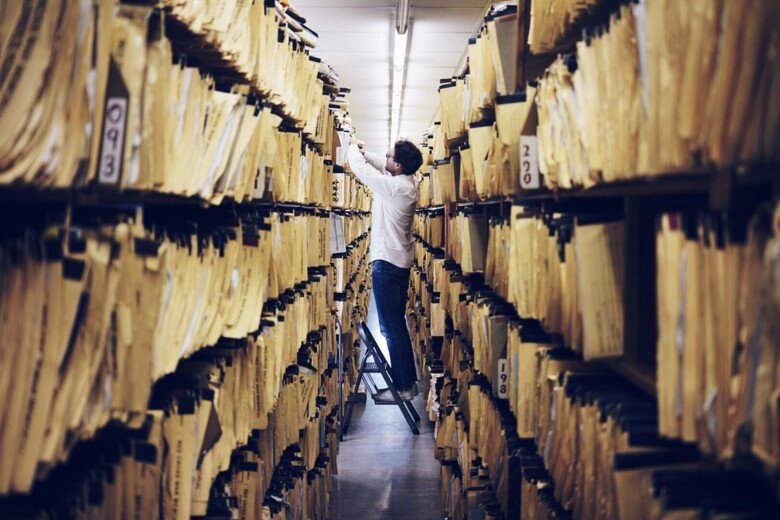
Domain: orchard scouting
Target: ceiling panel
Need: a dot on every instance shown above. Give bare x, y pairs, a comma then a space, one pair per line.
445, 20
449, 4
434, 58
438, 42
356, 39
358, 43
305, 5
360, 19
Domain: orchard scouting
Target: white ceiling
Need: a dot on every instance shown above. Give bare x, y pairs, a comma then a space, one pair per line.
356, 39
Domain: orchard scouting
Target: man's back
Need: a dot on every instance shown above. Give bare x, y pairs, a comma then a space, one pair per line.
392, 210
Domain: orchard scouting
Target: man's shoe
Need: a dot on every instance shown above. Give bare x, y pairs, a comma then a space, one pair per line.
385, 396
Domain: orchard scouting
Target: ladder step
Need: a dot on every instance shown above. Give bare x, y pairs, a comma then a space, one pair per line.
373, 368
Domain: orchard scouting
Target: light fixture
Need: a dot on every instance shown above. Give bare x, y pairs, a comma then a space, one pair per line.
399, 52
399, 65
402, 16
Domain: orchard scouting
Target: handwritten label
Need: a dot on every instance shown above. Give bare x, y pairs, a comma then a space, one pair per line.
529, 162
503, 379
113, 141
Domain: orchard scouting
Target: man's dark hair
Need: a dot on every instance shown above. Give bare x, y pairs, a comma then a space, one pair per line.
408, 156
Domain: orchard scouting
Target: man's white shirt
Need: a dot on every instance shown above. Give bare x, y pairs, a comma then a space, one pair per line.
392, 209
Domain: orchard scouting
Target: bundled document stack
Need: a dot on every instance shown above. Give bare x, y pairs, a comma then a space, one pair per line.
636, 101
567, 276
602, 446
164, 462
138, 116
483, 458
122, 304
49, 135
717, 355
476, 145
348, 191
264, 42
451, 109
171, 361
488, 164
545, 302
553, 22
424, 190
429, 226
467, 241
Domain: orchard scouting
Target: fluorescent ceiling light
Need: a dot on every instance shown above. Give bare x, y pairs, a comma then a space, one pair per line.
399, 65
402, 16
399, 52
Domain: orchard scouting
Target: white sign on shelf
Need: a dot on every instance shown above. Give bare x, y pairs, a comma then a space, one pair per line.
503, 379
529, 162
113, 141
337, 242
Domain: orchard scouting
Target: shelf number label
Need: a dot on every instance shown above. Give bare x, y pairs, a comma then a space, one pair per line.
503, 379
113, 141
529, 162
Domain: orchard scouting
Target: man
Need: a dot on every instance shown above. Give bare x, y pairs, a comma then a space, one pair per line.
392, 250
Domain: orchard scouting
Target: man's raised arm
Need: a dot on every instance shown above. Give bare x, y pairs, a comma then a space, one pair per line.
371, 176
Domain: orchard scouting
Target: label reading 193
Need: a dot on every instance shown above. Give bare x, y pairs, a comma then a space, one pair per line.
529, 162
503, 379
113, 141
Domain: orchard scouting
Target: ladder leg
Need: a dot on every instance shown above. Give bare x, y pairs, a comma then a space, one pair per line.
373, 349
351, 398
412, 411
401, 404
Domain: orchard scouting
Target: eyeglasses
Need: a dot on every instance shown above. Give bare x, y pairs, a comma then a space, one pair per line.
388, 156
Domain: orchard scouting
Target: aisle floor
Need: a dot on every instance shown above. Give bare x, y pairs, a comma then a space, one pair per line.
385, 471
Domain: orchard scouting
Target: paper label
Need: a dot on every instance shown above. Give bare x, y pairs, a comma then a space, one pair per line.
337, 241
503, 379
113, 141
529, 162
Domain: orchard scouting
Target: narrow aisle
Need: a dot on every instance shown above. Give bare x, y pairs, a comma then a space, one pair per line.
386, 472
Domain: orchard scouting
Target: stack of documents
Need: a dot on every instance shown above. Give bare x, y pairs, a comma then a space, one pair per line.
716, 344
53, 89
444, 180
482, 118
502, 33
348, 191
553, 22
262, 41
481, 80
451, 104
168, 458
138, 117
126, 303
467, 240
424, 190
696, 100
600, 442
429, 227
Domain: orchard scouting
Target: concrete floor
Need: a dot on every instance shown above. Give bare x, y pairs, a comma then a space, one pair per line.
385, 471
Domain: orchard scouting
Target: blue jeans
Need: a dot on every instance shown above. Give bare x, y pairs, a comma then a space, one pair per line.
390, 294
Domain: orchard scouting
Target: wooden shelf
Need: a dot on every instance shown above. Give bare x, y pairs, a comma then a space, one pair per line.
94, 196
639, 376
702, 183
